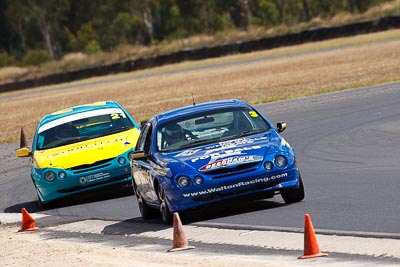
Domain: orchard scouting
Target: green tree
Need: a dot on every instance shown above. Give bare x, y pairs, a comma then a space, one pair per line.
266, 13
145, 13
86, 39
94, 25
48, 16
122, 27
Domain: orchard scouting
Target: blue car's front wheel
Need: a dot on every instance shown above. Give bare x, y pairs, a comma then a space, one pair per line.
166, 214
292, 195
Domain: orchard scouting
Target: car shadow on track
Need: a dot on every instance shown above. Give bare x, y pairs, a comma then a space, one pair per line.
228, 208
108, 193
208, 212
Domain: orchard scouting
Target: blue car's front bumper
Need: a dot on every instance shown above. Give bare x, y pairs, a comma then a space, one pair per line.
216, 190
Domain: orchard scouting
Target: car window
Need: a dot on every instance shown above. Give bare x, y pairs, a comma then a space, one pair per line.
145, 138
72, 129
203, 128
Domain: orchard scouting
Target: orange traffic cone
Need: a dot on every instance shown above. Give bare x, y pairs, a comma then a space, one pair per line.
28, 223
180, 242
311, 248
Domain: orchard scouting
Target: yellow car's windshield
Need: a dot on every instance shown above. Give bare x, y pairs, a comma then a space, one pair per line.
75, 129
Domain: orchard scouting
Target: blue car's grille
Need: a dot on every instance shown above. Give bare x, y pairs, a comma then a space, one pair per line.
225, 172
90, 167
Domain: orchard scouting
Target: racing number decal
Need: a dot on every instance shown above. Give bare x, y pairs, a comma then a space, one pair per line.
116, 116
253, 114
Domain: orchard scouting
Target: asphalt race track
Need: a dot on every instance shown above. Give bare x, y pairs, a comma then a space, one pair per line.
348, 149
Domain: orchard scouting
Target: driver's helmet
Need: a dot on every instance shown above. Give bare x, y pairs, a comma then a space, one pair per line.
174, 133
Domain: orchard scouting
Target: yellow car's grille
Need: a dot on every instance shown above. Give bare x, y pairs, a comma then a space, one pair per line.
90, 167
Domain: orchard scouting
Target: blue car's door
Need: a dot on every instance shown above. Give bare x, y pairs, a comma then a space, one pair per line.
143, 174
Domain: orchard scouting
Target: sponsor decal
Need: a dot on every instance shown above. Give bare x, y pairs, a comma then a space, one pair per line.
226, 153
212, 146
162, 172
187, 153
223, 163
94, 177
236, 185
223, 149
214, 156
240, 141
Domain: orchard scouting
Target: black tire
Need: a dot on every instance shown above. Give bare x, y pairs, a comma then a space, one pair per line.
43, 206
47, 205
293, 195
166, 215
146, 211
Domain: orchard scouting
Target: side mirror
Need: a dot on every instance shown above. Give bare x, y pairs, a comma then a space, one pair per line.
143, 123
281, 126
139, 155
23, 152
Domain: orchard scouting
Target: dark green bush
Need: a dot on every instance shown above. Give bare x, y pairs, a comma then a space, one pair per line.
92, 47
36, 57
3, 59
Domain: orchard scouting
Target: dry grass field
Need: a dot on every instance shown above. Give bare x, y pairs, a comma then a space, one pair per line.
286, 73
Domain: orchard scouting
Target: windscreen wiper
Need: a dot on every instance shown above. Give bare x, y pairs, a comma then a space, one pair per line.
72, 141
121, 129
255, 131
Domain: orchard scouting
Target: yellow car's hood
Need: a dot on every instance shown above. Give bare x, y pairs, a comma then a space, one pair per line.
86, 152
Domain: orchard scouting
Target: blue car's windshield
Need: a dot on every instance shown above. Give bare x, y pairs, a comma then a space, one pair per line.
73, 129
204, 128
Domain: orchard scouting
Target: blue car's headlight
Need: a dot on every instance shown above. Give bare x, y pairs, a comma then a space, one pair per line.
183, 181
198, 180
281, 161
268, 165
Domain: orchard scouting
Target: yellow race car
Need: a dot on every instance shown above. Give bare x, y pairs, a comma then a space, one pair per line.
81, 148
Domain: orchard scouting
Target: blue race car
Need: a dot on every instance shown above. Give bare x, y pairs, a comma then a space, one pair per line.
81, 148
204, 153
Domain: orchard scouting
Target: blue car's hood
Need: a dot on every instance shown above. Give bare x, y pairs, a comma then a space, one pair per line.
229, 153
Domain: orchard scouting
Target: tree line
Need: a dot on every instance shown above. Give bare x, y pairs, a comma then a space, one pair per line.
58, 27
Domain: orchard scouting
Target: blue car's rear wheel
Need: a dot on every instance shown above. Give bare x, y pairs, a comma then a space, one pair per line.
292, 195
166, 214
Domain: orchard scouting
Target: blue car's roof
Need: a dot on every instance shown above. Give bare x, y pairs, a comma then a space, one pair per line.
78, 109
202, 107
